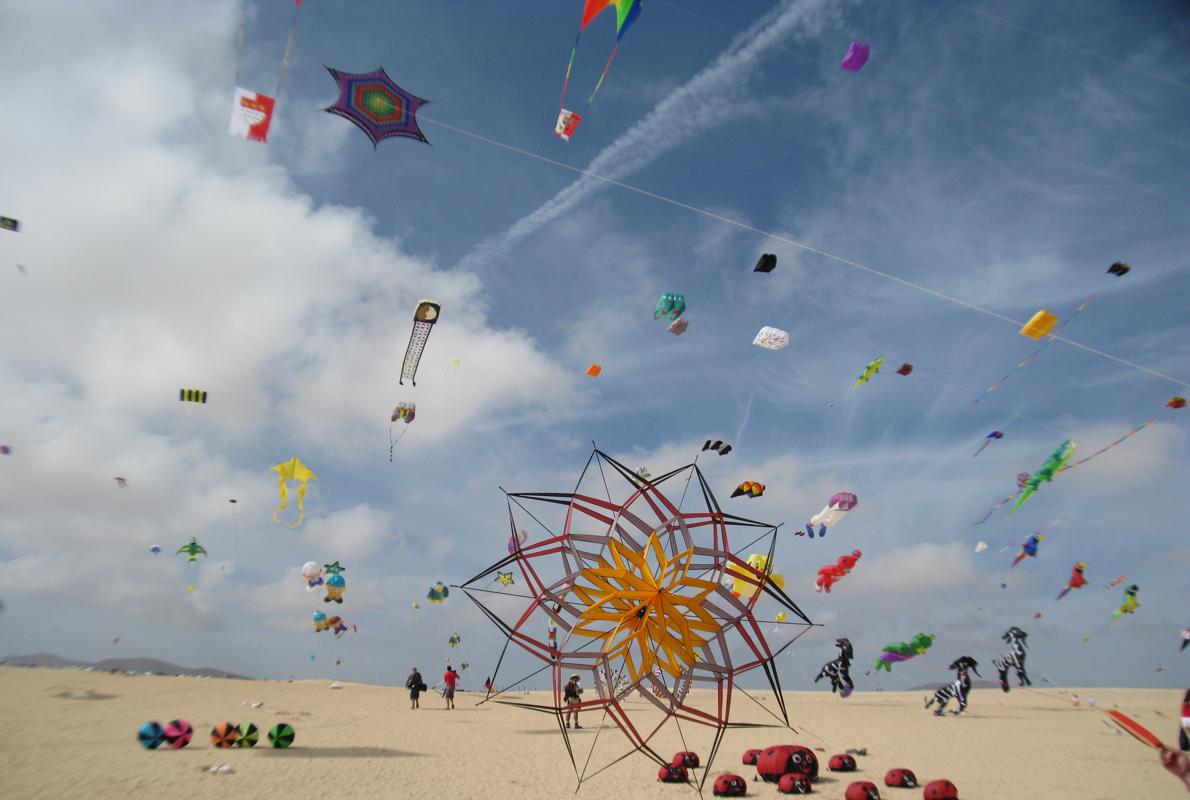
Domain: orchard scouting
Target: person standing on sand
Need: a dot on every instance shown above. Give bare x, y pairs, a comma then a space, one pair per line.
572, 694
416, 686
450, 679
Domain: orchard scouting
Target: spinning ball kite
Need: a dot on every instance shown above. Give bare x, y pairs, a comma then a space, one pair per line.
633, 587
377, 105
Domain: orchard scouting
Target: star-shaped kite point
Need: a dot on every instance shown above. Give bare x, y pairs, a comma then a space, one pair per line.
333, 569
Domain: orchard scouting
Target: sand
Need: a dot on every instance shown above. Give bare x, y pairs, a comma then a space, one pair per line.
73, 734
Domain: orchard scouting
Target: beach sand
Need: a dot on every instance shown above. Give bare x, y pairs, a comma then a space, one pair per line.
73, 734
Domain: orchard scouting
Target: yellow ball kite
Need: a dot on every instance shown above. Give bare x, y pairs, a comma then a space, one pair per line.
292, 470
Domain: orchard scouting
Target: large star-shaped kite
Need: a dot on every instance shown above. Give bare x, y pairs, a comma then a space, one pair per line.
377, 105
333, 569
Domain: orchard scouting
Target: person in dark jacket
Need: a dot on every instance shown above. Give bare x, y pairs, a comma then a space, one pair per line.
416, 686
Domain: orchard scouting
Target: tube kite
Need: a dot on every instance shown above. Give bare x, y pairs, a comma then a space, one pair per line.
424, 318
292, 470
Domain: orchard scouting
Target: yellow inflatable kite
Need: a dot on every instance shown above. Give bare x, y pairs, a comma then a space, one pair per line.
292, 470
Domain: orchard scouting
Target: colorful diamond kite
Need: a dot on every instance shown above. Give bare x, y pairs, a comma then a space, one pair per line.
377, 105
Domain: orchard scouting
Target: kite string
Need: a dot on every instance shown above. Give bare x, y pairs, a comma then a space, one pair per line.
297, 6
800, 245
240, 39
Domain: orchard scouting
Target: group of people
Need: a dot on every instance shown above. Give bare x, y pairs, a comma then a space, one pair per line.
416, 684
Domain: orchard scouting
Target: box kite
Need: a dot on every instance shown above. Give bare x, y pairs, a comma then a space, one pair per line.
192, 396
251, 115
424, 318
377, 105
292, 470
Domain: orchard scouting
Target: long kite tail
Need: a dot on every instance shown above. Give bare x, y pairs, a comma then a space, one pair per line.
1020, 501
981, 447
1064, 592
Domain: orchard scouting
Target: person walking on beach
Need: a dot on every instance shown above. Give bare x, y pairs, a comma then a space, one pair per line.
416, 686
450, 679
572, 694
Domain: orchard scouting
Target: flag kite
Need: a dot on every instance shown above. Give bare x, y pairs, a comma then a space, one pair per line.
192, 395
376, 105
292, 470
424, 318
251, 115
626, 13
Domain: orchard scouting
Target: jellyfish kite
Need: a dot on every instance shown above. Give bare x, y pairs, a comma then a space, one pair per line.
626, 13
839, 504
406, 413
870, 369
424, 317
121, 482
377, 105
1049, 470
991, 437
1078, 579
1129, 603
292, 470
896, 652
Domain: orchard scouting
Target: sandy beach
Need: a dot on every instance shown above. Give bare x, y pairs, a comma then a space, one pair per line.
71, 733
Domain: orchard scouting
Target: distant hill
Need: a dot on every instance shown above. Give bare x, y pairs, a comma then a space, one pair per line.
978, 683
141, 665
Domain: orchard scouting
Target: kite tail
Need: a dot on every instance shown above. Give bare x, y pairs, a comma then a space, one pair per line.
240, 38
283, 491
301, 506
1064, 592
297, 6
599, 83
1025, 495
981, 447
569, 65
1018, 559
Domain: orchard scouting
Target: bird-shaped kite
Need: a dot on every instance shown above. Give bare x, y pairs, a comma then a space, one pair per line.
192, 549
1029, 548
991, 437
1077, 579
292, 470
1129, 604
871, 369
1176, 402
1052, 466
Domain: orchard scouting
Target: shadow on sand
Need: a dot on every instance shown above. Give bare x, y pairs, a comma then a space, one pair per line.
337, 752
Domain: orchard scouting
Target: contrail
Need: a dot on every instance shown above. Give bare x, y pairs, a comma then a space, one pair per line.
686, 112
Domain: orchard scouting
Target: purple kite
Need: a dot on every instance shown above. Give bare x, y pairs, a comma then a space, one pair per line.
991, 436
857, 56
377, 105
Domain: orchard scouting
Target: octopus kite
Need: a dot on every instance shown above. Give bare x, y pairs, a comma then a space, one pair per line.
834, 572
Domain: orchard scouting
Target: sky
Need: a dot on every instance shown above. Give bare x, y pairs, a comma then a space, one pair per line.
989, 161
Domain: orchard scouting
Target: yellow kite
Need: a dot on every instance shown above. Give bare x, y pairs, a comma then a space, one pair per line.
292, 470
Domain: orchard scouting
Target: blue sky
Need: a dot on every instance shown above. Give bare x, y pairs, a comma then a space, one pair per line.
1001, 154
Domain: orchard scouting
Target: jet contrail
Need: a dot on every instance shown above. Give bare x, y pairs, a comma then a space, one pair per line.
686, 112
